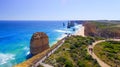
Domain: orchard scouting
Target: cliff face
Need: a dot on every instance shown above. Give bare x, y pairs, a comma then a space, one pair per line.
90, 29
106, 30
39, 42
110, 33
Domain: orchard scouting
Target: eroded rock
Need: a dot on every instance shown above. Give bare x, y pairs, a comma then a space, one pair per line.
39, 42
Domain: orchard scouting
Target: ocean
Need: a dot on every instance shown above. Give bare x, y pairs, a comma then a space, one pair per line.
15, 38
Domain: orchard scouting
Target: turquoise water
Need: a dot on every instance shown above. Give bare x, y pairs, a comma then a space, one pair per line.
15, 38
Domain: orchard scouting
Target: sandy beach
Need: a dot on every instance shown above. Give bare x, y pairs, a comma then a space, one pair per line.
80, 31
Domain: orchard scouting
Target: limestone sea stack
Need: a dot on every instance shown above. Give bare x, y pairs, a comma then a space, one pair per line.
39, 42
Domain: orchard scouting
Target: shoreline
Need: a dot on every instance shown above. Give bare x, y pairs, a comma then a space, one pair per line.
37, 59
80, 31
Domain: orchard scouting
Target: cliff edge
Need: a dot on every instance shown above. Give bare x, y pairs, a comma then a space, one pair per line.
100, 29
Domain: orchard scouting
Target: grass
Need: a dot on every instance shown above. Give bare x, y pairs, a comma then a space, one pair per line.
109, 52
108, 26
104, 25
73, 53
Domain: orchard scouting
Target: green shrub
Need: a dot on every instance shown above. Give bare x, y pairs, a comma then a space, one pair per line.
76, 56
40, 66
72, 47
88, 57
68, 63
80, 64
61, 59
94, 61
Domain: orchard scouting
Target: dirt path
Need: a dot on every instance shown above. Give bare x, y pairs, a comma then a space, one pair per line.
45, 65
102, 64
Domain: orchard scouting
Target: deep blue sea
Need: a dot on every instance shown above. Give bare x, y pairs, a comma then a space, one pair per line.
15, 38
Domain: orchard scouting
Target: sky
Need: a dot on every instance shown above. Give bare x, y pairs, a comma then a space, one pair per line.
59, 9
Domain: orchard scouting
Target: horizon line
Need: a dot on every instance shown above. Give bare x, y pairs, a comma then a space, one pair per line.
66, 20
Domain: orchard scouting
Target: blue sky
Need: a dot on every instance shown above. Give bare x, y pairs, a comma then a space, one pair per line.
59, 9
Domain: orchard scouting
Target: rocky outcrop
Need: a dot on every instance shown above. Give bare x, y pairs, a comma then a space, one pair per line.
70, 24
39, 42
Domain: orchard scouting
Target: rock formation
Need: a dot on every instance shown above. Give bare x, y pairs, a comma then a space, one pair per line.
39, 42
70, 24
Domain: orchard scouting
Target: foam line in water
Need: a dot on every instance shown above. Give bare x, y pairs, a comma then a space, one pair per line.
63, 31
62, 36
4, 58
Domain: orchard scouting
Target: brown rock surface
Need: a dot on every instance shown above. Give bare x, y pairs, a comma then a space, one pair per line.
39, 42
92, 29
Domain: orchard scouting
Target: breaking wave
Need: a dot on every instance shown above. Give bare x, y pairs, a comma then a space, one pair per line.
6, 57
62, 36
63, 31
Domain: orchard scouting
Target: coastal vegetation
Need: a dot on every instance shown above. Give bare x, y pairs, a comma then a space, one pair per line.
73, 53
109, 52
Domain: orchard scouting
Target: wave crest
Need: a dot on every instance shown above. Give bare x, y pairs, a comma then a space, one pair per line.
63, 31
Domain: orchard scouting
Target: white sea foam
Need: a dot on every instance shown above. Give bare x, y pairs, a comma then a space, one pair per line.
26, 48
28, 53
6, 57
63, 31
62, 36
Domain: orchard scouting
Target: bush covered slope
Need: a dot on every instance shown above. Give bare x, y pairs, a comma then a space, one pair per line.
73, 53
109, 52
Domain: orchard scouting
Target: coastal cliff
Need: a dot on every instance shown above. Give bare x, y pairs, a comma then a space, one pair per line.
90, 29
102, 29
39, 42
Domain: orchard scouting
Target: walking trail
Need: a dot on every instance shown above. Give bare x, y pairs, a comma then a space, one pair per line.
102, 64
41, 61
79, 32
